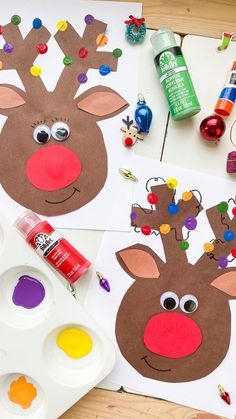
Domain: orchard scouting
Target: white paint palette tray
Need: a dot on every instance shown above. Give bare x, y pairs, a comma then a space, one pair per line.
39, 379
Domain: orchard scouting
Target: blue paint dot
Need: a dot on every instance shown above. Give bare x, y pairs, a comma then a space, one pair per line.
229, 235
173, 209
37, 23
104, 69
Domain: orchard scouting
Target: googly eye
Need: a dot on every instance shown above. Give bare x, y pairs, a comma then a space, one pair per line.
42, 134
188, 303
60, 131
169, 300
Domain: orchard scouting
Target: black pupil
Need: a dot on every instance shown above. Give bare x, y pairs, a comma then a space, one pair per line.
42, 136
190, 306
169, 303
62, 133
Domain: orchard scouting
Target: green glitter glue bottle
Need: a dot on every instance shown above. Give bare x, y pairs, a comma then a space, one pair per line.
174, 76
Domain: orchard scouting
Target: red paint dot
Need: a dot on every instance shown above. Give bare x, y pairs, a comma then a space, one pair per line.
152, 198
234, 211
83, 52
42, 48
146, 230
1, 29
128, 142
233, 252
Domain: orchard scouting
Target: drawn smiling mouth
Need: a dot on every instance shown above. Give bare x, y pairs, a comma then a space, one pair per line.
149, 365
66, 199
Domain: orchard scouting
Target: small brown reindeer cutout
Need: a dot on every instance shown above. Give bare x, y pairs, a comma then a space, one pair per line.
174, 322
53, 157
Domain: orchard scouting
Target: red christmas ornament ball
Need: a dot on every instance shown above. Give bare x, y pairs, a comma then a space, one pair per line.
212, 127
146, 230
152, 198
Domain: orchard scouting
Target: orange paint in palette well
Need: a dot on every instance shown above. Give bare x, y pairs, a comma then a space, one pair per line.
21, 392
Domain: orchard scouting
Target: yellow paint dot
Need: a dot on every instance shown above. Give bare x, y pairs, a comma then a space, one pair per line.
75, 342
35, 70
101, 40
21, 392
171, 183
208, 247
1, 65
186, 196
164, 228
62, 25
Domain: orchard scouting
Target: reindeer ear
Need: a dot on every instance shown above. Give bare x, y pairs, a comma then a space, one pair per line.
10, 98
102, 102
226, 283
138, 261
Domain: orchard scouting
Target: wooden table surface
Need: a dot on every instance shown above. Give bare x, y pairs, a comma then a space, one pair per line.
198, 17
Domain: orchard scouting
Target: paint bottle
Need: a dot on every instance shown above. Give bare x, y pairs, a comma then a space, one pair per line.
174, 76
227, 96
52, 247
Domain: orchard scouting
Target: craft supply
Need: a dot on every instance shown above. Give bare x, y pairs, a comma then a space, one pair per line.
131, 134
212, 128
135, 30
28, 293
231, 162
226, 38
75, 342
174, 76
103, 282
143, 115
227, 96
126, 173
22, 393
224, 394
51, 246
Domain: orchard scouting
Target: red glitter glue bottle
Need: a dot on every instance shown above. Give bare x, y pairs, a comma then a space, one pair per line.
51, 246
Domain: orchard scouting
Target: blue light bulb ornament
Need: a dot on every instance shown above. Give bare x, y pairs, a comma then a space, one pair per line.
143, 115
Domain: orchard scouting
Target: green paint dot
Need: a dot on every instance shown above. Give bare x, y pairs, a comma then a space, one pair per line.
67, 60
117, 52
15, 20
184, 245
223, 207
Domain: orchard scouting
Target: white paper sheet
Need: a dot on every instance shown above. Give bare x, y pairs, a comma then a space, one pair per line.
200, 394
108, 210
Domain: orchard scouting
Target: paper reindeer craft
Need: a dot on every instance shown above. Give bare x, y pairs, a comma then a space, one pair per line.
174, 322
52, 153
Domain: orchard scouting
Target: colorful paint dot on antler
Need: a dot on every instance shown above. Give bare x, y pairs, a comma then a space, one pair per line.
171, 183
117, 52
42, 48
222, 262
68, 60
89, 19
35, 70
186, 196
133, 216
146, 230
223, 207
190, 223
208, 247
83, 52
82, 78
233, 252
1, 29
101, 40
1, 65
184, 245
152, 198
229, 235
104, 69
164, 228
37, 23
234, 211
173, 209
8, 47
62, 25
15, 19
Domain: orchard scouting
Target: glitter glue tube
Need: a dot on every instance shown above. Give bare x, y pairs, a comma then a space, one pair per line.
51, 246
227, 96
174, 76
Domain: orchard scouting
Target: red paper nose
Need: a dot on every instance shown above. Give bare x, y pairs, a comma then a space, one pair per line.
53, 167
172, 335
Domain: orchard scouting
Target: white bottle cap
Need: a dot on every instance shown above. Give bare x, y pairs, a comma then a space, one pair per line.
162, 39
26, 222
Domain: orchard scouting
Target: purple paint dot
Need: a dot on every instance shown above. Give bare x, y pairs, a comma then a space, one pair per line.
28, 293
82, 78
222, 262
8, 47
190, 223
89, 19
133, 216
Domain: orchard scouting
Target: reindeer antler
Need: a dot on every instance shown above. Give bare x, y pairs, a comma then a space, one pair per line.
127, 122
24, 54
70, 43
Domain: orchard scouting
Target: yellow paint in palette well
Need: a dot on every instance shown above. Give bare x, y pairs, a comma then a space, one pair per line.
75, 342
21, 392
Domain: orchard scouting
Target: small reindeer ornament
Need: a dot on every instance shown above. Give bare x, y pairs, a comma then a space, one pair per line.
131, 134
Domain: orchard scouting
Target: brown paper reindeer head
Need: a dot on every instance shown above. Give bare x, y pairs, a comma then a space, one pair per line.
174, 322
53, 158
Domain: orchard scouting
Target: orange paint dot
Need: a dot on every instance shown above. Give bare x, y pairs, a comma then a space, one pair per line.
186, 196
101, 40
164, 228
208, 247
1, 65
22, 393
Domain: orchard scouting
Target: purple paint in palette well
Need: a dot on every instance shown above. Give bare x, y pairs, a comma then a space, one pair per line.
28, 293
